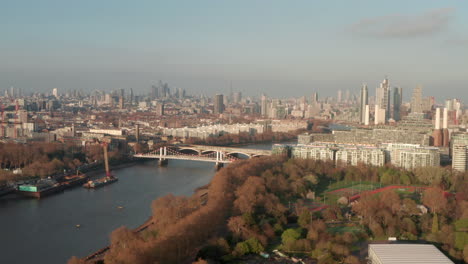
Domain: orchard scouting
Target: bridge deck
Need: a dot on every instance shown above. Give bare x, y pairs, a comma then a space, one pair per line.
176, 157
203, 148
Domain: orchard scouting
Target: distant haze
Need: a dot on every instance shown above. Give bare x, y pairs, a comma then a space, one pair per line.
281, 48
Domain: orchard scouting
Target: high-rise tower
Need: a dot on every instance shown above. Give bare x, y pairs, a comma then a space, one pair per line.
397, 101
416, 100
218, 104
383, 97
364, 101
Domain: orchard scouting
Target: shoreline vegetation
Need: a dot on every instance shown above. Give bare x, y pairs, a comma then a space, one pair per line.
261, 204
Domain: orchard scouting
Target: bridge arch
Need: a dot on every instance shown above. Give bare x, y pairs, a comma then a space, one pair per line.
208, 151
239, 154
188, 151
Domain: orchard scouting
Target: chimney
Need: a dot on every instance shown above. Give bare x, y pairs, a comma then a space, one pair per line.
437, 119
137, 133
445, 123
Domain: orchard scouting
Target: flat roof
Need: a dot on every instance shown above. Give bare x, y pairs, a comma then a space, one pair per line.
408, 253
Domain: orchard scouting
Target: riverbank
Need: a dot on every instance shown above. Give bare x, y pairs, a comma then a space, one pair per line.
100, 170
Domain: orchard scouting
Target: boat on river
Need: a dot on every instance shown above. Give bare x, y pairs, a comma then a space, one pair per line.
108, 179
40, 188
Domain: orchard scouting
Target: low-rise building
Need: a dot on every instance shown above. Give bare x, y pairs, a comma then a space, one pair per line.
406, 253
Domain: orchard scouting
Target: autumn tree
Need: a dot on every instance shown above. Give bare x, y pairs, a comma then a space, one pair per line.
434, 198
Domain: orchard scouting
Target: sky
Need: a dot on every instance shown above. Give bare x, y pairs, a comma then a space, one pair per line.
280, 48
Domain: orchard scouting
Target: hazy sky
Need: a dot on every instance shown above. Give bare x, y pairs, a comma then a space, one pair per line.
281, 48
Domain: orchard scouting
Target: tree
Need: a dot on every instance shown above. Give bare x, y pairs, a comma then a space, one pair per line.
351, 260
434, 198
75, 260
200, 261
126, 248
305, 218
291, 235
435, 224
251, 245
465, 253
391, 200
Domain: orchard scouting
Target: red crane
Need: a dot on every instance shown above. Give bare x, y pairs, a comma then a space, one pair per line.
106, 159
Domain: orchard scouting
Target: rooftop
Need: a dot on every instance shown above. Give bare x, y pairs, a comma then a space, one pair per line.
408, 253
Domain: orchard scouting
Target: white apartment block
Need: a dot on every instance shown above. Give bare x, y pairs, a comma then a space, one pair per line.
355, 155
459, 157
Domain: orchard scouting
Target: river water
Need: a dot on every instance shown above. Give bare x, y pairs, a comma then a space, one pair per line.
44, 231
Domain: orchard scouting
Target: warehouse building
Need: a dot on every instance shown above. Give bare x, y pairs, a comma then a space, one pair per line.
406, 253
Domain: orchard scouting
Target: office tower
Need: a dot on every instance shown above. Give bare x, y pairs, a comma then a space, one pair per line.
218, 104
339, 96
160, 109
154, 92
416, 100
397, 101
383, 97
314, 98
459, 157
264, 106
121, 102
108, 99
237, 97
12, 92
446, 137
55, 92
448, 104
459, 151
131, 97
379, 115
427, 103
437, 133
347, 96
364, 102
366, 115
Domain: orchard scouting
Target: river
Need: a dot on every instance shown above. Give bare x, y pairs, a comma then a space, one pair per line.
45, 231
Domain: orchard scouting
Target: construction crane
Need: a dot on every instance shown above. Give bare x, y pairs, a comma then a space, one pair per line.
106, 159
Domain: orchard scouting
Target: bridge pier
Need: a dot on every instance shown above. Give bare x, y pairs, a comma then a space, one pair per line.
163, 162
218, 166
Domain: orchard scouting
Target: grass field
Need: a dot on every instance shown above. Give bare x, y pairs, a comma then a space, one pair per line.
343, 229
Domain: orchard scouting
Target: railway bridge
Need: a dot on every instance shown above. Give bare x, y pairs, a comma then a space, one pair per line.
218, 155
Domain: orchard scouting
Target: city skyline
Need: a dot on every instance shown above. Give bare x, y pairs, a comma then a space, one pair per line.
204, 47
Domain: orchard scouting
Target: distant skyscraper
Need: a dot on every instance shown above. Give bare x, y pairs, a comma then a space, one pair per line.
314, 98
55, 92
121, 102
160, 109
416, 100
131, 96
379, 115
347, 96
154, 92
218, 104
237, 97
367, 114
397, 101
264, 105
339, 97
364, 101
383, 97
